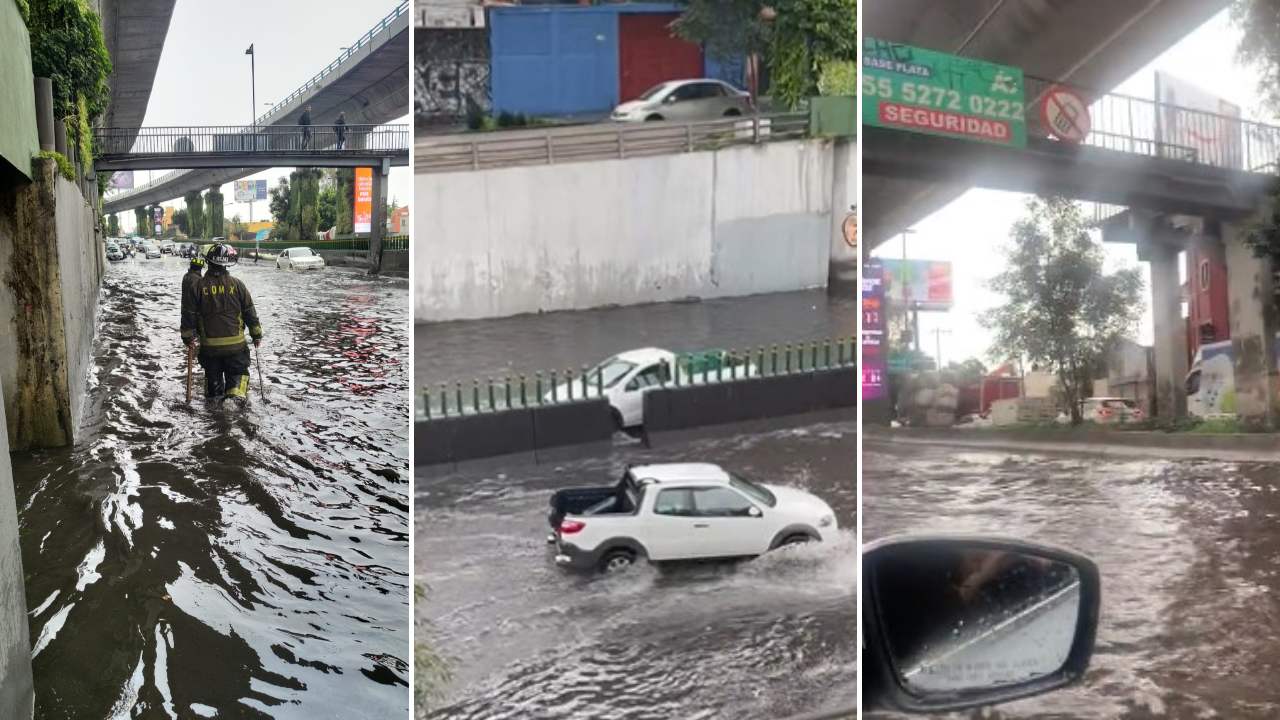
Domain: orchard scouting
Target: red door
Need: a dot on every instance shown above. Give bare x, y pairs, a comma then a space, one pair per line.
648, 53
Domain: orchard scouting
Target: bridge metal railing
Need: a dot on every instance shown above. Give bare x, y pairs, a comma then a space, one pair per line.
524, 391
240, 139
603, 141
402, 8
1151, 128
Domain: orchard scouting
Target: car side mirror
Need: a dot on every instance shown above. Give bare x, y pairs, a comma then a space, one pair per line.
952, 622
670, 99
753, 511
633, 385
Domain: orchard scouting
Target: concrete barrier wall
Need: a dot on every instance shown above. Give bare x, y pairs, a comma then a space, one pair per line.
81, 262
451, 440
681, 408
17, 694
742, 220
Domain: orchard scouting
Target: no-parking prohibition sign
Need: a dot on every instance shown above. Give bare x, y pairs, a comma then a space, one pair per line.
1065, 114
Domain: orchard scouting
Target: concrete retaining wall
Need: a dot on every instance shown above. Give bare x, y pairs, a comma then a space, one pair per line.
680, 408
451, 440
17, 695
737, 221
51, 267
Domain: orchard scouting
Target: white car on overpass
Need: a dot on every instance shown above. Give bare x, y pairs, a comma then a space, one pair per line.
625, 378
682, 512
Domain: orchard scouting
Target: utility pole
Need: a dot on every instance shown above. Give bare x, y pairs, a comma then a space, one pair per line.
937, 344
253, 90
910, 318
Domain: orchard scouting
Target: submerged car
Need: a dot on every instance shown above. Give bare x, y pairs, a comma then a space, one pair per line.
681, 512
187, 250
299, 258
697, 99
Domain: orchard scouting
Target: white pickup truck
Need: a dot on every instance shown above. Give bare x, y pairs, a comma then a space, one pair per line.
681, 511
626, 377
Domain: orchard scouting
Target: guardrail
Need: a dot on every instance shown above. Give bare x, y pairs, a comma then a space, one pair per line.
401, 9
358, 243
241, 139
553, 388
603, 141
1125, 123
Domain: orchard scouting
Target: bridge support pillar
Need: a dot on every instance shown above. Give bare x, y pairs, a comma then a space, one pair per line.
1253, 331
378, 217
1170, 332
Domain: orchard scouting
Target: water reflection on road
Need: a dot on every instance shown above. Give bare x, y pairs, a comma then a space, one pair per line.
193, 562
762, 639
1188, 549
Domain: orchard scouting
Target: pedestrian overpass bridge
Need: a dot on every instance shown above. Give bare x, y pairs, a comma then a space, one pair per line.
369, 82
1139, 153
149, 148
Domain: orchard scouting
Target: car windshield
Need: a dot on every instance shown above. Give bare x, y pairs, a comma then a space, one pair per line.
653, 91
759, 493
1119, 404
610, 371
300, 252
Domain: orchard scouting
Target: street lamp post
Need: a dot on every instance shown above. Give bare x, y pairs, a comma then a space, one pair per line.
253, 89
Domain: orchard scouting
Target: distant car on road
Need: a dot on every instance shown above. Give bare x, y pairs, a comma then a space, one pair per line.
686, 100
187, 250
166, 247
150, 251
299, 258
114, 253
1108, 410
681, 511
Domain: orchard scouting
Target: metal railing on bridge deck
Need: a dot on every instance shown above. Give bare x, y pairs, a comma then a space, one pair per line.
401, 9
1130, 124
603, 141
371, 140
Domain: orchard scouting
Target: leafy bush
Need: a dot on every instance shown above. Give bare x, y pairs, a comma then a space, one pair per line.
67, 46
65, 168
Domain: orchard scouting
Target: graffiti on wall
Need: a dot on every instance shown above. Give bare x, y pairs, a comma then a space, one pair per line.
451, 78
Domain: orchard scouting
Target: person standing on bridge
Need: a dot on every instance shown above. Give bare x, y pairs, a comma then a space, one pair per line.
340, 129
222, 311
305, 122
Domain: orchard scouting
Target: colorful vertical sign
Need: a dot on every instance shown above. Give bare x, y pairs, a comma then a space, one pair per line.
918, 90
363, 211
873, 324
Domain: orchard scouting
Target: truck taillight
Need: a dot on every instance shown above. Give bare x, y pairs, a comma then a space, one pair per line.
569, 527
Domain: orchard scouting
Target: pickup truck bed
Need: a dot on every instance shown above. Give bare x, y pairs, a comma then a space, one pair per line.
589, 501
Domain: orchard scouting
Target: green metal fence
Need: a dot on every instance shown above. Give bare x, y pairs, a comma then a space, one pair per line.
483, 395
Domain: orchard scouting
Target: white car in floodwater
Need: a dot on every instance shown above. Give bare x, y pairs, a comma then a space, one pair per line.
681, 511
626, 377
299, 258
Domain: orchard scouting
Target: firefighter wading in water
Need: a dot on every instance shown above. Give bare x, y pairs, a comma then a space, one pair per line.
217, 314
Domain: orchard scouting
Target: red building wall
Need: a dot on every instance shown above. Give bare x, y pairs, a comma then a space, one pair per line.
1208, 319
648, 53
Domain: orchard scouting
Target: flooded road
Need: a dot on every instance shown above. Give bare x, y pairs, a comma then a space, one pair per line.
461, 351
526, 641
194, 562
1189, 552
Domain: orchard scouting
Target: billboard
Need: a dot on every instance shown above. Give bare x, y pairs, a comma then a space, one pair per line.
1193, 124
924, 91
923, 284
873, 321
250, 190
363, 211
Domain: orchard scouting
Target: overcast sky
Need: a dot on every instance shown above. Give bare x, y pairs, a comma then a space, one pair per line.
972, 231
203, 77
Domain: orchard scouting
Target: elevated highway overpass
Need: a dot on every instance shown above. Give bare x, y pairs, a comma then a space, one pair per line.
369, 82
135, 31
1089, 43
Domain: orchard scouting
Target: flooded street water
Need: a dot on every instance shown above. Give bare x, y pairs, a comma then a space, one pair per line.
189, 561
461, 351
526, 641
1189, 552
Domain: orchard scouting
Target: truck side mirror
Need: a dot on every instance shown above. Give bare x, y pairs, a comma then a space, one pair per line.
952, 622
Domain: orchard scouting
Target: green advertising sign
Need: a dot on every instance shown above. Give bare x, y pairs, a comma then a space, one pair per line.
918, 90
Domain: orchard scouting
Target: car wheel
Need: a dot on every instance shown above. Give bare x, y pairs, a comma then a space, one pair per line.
616, 561
653, 118
796, 539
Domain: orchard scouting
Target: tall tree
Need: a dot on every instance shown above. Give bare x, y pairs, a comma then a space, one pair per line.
181, 220
1259, 22
1061, 310
113, 225
346, 201
799, 37
213, 212
140, 222
195, 213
